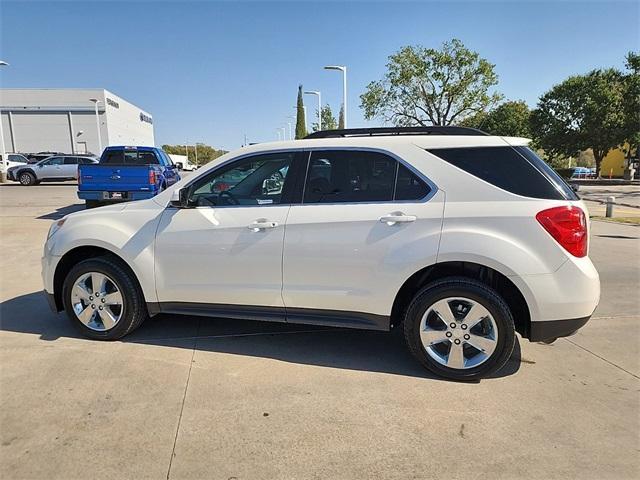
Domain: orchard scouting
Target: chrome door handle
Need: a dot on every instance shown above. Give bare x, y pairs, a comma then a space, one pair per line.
261, 224
397, 217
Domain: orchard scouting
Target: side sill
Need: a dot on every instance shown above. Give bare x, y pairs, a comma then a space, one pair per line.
308, 316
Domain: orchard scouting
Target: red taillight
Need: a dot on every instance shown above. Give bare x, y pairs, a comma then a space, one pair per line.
568, 225
152, 177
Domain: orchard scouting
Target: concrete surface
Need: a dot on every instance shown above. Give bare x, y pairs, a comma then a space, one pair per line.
185, 397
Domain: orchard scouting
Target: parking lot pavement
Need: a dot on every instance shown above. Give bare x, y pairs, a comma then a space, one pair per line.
185, 397
628, 194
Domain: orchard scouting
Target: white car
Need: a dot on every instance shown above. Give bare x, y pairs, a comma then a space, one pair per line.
13, 160
457, 238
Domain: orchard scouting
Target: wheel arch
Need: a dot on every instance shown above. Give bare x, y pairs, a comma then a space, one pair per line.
76, 255
490, 276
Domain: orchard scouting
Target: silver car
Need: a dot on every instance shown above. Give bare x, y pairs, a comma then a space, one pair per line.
56, 168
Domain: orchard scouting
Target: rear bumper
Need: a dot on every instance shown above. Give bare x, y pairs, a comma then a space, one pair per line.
98, 195
552, 329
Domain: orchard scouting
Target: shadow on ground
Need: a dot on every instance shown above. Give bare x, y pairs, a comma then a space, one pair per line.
58, 213
302, 344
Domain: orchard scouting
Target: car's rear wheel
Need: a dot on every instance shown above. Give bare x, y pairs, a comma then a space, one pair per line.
459, 328
103, 299
27, 179
91, 203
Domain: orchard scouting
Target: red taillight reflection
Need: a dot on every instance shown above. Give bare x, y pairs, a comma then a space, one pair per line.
568, 226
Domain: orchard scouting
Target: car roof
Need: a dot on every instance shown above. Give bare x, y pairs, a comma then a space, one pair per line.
391, 141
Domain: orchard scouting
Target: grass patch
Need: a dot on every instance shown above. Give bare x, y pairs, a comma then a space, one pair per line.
630, 220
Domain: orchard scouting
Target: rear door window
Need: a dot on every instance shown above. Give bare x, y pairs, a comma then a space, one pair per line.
517, 170
409, 186
70, 160
346, 176
350, 176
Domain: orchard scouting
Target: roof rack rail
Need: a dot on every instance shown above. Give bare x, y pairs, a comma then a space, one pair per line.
388, 131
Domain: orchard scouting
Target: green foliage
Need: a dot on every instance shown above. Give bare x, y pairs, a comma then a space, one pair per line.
301, 128
206, 153
509, 119
341, 117
425, 86
328, 120
632, 103
583, 112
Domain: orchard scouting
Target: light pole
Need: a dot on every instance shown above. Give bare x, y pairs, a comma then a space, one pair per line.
317, 93
343, 69
3, 150
196, 149
96, 102
290, 129
284, 132
279, 134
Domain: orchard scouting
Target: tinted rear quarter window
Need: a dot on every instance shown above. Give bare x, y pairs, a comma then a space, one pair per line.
514, 169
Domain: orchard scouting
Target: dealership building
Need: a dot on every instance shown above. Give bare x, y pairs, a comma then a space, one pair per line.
64, 120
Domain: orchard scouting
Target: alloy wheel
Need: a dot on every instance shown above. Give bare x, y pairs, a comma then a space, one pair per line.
458, 333
97, 301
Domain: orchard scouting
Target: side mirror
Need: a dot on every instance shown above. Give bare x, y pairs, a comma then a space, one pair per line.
180, 198
575, 187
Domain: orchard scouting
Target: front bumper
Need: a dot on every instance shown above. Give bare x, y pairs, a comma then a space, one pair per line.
553, 329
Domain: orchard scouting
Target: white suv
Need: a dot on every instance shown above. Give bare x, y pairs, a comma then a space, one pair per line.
457, 238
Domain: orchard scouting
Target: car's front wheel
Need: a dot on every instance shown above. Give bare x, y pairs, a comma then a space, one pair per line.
103, 299
27, 179
459, 328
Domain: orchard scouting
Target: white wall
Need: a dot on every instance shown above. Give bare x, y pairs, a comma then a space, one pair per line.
41, 120
124, 124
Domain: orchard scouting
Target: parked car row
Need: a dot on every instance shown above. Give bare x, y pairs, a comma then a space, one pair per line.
56, 168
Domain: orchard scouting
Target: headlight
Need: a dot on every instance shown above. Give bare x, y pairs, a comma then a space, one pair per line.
55, 226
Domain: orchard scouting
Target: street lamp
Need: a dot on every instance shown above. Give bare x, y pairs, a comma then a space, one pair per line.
343, 69
317, 93
96, 102
294, 121
3, 151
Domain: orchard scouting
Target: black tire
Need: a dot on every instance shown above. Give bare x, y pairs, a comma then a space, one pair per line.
473, 290
27, 178
134, 309
91, 203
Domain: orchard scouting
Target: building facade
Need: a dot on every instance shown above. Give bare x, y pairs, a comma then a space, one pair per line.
64, 120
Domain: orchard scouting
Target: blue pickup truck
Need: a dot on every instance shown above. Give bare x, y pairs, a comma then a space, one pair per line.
124, 174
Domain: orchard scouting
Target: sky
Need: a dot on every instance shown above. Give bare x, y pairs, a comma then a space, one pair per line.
215, 71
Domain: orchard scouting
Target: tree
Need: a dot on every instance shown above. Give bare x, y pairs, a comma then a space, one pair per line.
328, 120
584, 111
301, 127
206, 153
632, 104
425, 86
509, 119
341, 117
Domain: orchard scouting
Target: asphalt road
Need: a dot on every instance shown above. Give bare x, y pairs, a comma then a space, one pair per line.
186, 397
